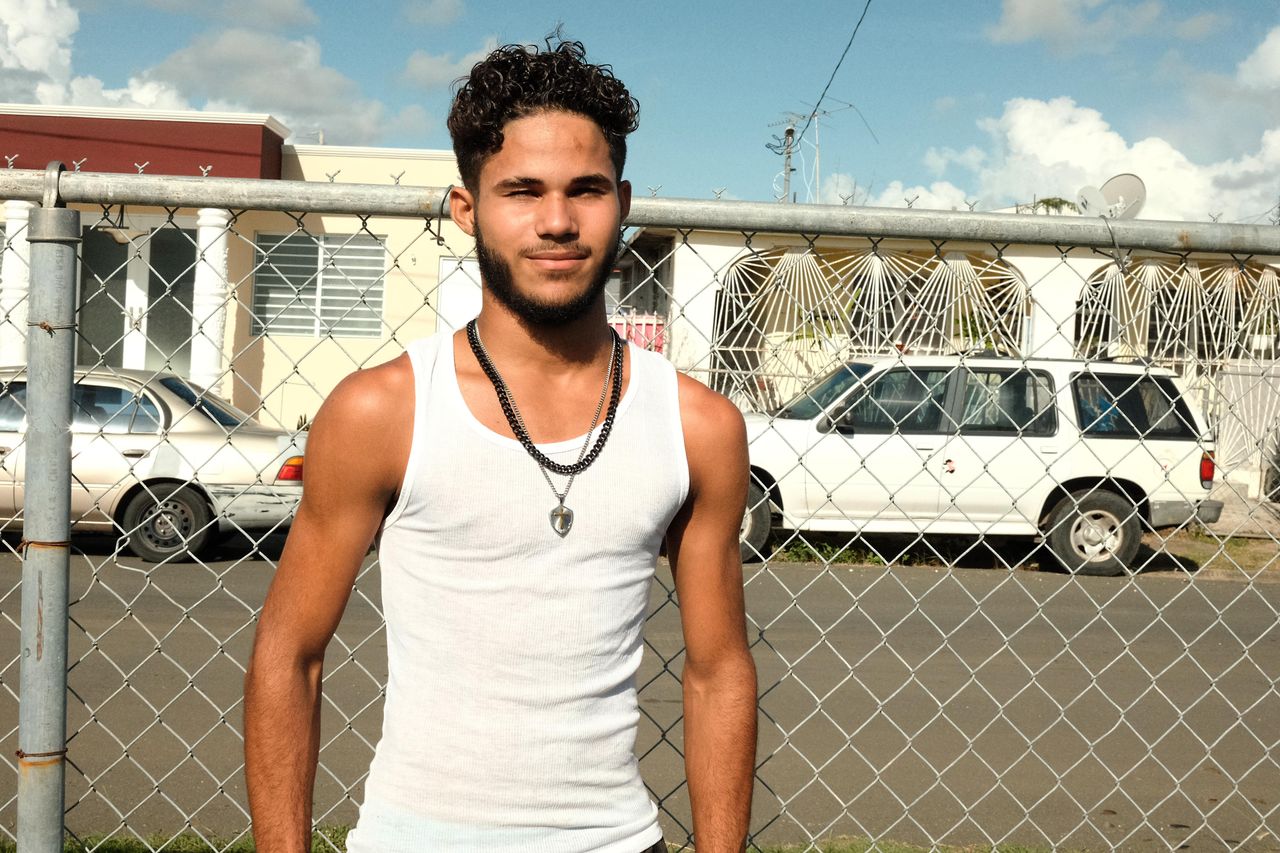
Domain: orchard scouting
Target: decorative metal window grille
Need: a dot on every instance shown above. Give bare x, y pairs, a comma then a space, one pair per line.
317, 285
785, 317
1175, 313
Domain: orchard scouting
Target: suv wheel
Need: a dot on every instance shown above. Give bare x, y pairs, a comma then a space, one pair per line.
167, 521
1094, 532
755, 524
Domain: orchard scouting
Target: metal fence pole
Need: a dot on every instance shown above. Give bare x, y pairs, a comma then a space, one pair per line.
42, 715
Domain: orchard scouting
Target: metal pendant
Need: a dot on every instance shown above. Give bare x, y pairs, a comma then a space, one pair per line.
561, 520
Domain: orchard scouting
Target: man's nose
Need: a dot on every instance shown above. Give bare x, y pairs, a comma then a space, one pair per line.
556, 217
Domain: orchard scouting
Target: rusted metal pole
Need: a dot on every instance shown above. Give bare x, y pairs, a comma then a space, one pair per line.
53, 233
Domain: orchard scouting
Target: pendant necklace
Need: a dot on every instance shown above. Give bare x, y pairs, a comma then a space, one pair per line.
561, 516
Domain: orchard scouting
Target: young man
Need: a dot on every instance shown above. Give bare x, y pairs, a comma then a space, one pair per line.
520, 476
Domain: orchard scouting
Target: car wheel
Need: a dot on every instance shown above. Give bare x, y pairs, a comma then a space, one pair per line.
167, 521
1094, 533
756, 522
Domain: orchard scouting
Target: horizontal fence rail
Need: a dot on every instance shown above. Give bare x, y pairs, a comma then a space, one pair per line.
378, 200
1011, 555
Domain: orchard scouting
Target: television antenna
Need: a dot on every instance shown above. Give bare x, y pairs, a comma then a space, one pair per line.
785, 145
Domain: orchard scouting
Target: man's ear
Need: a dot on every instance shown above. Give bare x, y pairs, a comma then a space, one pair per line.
462, 209
624, 200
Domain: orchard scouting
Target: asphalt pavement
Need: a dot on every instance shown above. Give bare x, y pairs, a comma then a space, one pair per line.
959, 706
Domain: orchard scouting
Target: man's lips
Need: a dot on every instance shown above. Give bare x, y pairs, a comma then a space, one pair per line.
556, 260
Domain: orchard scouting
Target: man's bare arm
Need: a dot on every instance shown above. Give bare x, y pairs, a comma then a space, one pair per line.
355, 456
719, 675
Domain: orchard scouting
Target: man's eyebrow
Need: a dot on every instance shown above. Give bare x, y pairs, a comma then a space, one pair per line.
516, 183
596, 180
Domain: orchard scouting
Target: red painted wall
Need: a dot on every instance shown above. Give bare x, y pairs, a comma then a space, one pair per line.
115, 145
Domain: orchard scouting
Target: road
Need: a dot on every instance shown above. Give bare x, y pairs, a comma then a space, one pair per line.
966, 706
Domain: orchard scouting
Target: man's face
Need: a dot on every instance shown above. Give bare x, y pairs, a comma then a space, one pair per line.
546, 216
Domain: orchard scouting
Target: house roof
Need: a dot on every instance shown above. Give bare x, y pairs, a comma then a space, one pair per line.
166, 142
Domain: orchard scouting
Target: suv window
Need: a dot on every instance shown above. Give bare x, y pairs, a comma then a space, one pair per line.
1008, 402
815, 399
1129, 406
13, 406
112, 410
900, 400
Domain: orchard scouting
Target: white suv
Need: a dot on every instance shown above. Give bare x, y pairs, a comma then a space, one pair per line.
1083, 454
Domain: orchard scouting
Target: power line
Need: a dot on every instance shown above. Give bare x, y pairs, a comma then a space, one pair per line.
835, 71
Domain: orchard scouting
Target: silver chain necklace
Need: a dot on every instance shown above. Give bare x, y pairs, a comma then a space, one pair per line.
561, 516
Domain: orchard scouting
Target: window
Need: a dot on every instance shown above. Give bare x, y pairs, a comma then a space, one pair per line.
815, 399
329, 284
211, 406
1008, 402
900, 400
1131, 406
13, 406
113, 411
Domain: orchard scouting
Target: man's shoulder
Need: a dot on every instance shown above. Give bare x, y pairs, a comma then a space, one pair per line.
705, 414
373, 395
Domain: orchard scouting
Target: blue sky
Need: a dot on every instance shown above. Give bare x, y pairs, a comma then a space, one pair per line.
984, 103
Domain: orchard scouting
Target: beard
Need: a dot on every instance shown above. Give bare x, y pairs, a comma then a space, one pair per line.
495, 273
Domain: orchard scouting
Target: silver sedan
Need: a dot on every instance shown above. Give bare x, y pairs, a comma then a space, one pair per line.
163, 463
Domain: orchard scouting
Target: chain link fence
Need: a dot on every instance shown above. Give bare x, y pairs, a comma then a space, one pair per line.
1010, 560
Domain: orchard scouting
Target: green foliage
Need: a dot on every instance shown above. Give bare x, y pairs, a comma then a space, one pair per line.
1057, 205
334, 838
326, 839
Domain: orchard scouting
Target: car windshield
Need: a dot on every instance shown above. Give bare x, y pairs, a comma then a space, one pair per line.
210, 405
819, 396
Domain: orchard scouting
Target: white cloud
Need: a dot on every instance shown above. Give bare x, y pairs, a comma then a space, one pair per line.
272, 14
840, 188
1200, 26
1072, 26
433, 12
35, 62
35, 45
1261, 69
147, 94
1053, 148
238, 69
938, 160
260, 72
431, 71
1093, 26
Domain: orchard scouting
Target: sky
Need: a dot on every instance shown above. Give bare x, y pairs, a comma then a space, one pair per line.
948, 104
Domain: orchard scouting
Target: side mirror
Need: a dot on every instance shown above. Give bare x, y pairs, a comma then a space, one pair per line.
841, 423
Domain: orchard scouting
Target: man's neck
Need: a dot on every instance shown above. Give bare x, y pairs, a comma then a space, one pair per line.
571, 346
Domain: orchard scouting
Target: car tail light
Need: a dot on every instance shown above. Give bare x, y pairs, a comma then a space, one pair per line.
292, 469
1206, 469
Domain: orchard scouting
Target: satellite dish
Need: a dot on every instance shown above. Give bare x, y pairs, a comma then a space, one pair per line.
1124, 195
1091, 202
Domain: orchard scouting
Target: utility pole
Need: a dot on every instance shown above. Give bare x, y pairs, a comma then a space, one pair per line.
789, 139
784, 147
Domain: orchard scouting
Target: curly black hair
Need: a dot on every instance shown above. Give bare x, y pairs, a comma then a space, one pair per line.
518, 80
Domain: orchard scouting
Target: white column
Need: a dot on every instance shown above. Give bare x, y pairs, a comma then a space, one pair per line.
133, 349
1056, 285
15, 281
699, 265
209, 300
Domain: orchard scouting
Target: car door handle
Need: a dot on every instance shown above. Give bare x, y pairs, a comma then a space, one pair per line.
134, 454
4, 451
1048, 450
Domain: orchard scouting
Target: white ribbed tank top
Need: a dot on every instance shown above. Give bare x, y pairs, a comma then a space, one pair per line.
511, 711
